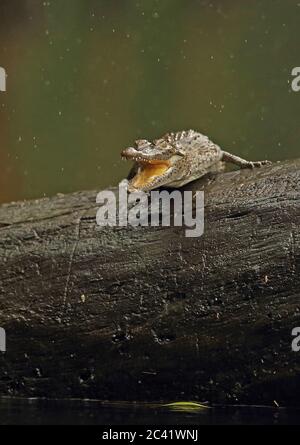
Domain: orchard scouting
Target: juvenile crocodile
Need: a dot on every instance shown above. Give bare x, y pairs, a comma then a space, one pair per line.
176, 159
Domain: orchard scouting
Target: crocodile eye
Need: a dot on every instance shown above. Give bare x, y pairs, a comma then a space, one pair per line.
141, 143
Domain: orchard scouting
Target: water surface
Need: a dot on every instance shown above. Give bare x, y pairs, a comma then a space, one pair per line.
75, 412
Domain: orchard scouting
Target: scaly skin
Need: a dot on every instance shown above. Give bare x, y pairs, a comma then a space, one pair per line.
177, 159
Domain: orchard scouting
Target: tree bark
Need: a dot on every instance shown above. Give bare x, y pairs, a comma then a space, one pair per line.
147, 313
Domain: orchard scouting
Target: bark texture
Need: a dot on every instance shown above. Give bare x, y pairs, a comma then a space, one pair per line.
147, 313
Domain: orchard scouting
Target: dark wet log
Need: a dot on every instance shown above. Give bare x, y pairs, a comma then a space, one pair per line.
149, 314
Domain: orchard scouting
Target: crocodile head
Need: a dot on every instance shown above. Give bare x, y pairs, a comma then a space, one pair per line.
156, 163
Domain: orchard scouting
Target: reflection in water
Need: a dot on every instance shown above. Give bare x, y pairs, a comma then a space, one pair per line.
186, 407
87, 78
75, 412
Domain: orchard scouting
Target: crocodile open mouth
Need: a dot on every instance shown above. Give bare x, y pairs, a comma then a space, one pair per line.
148, 171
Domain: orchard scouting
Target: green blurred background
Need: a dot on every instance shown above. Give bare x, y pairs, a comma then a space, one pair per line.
87, 77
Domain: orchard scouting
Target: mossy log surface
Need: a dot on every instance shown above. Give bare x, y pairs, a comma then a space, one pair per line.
147, 313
